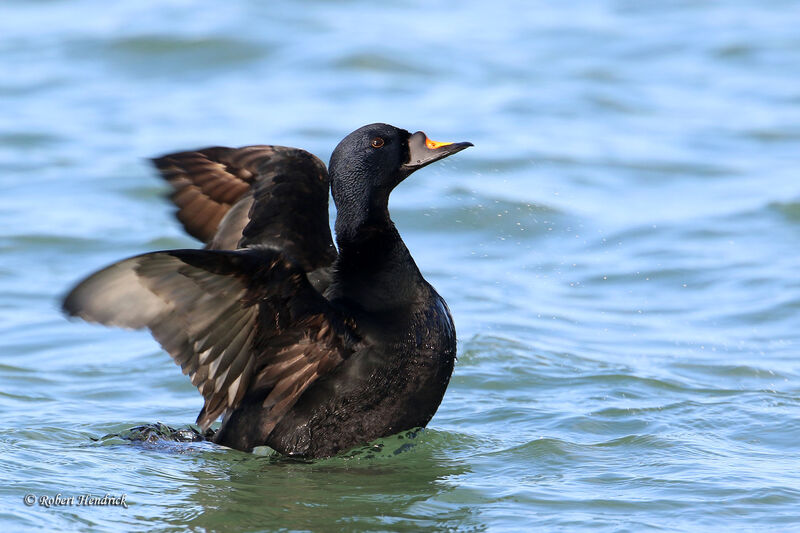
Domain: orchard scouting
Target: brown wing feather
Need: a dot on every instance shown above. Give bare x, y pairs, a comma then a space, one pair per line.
238, 323
207, 182
290, 188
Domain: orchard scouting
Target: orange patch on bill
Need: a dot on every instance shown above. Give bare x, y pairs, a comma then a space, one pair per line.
433, 145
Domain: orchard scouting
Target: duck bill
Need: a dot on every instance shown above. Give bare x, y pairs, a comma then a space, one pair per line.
423, 151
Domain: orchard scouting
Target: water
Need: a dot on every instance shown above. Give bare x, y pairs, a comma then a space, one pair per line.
619, 251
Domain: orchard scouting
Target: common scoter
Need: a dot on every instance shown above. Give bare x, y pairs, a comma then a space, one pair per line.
298, 347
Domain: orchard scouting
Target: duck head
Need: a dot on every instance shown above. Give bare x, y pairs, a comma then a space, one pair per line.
370, 162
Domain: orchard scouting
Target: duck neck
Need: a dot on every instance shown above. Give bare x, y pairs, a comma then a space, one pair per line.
374, 268
358, 218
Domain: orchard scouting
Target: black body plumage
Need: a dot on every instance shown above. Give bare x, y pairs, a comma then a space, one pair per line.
299, 347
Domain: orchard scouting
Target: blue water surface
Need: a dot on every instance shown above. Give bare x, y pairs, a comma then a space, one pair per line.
619, 251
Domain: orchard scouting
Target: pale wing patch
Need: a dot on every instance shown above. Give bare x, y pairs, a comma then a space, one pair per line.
116, 296
229, 229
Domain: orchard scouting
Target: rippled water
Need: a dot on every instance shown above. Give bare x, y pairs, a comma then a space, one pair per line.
619, 250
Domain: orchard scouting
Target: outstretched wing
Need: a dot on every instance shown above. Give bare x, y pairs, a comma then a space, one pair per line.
239, 323
215, 190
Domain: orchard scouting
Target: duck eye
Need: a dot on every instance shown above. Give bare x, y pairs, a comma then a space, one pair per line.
377, 142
